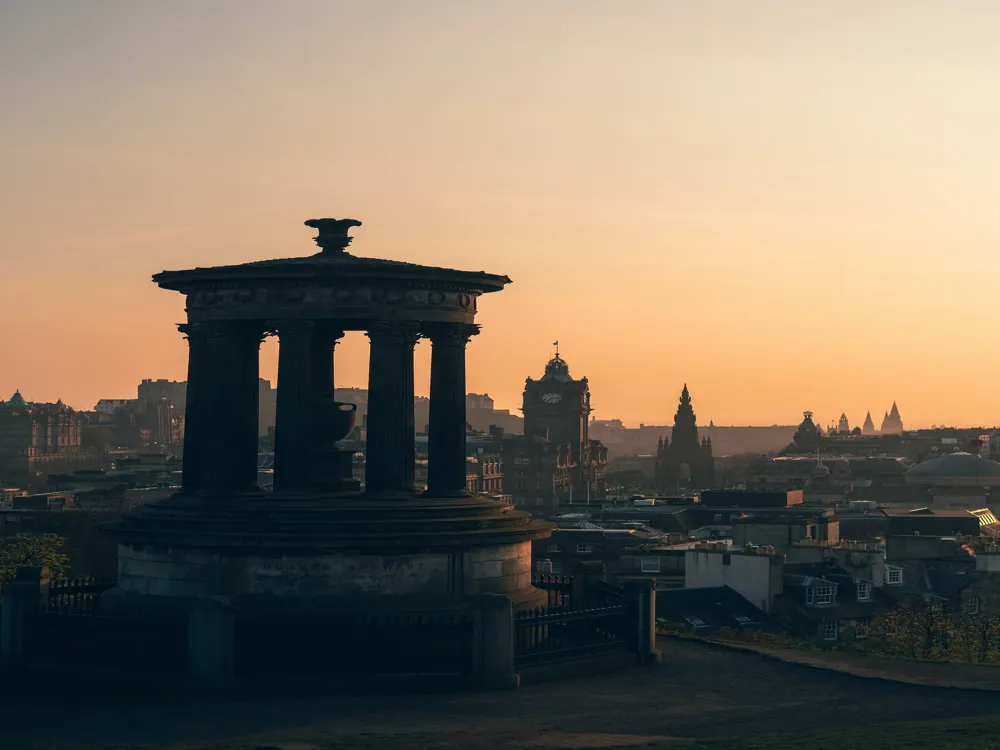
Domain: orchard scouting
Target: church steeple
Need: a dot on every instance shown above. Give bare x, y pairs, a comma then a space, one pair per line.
686, 457
893, 423
869, 426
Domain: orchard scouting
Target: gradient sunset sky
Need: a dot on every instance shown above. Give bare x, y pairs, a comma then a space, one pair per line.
788, 205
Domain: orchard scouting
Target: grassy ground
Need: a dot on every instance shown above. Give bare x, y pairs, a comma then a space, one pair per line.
979, 733
701, 696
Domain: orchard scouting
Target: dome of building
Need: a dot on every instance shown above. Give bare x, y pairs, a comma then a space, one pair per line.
17, 400
955, 469
557, 369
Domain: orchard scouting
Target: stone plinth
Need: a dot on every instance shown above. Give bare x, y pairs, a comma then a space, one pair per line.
319, 551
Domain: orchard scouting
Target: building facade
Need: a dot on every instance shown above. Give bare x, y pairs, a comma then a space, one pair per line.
555, 462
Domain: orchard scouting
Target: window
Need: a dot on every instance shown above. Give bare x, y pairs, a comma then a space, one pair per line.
554, 548
696, 622
556, 567
649, 565
971, 605
830, 630
743, 619
893, 576
864, 591
862, 627
819, 595
584, 548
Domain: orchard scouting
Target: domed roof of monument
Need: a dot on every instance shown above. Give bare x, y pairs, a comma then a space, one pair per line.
557, 369
955, 465
333, 261
17, 400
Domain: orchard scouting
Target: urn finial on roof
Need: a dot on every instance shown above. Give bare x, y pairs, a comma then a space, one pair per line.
333, 237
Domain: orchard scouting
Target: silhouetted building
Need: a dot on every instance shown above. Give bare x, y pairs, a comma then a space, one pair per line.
683, 461
808, 437
869, 426
566, 465
172, 391
892, 423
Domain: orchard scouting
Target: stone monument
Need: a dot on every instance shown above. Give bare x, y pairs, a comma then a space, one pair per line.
318, 540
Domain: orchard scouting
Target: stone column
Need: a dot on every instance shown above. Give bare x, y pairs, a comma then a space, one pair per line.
390, 454
641, 597
446, 438
327, 460
305, 396
21, 599
493, 659
220, 431
293, 423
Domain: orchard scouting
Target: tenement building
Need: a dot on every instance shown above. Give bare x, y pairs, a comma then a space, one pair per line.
40, 439
555, 462
287, 564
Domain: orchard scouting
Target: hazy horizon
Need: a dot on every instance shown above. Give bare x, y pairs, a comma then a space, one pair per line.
788, 206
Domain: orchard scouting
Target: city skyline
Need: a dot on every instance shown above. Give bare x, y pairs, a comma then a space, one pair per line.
788, 209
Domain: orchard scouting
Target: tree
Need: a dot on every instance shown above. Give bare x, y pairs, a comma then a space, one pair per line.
32, 549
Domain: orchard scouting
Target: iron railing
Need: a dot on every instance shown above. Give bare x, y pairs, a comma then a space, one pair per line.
558, 588
77, 596
548, 636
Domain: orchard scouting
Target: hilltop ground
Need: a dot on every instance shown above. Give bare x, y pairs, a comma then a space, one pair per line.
700, 691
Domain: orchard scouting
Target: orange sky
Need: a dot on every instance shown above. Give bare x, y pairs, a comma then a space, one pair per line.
789, 205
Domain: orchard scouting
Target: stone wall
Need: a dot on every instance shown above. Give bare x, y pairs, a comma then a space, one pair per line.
502, 569
497, 570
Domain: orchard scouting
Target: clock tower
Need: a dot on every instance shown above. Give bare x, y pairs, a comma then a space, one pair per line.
558, 407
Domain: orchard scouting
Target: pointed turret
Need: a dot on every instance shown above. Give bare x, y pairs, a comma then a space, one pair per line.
893, 423
684, 454
869, 425
844, 425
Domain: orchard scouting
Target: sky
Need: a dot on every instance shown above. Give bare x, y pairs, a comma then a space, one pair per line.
787, 205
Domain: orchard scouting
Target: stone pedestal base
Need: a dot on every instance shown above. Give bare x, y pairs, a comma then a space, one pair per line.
337, 547
334, 471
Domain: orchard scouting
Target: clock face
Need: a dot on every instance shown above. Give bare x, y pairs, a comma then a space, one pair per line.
552, 398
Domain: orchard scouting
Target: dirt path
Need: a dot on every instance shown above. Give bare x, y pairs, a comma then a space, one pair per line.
928, 674
700, 690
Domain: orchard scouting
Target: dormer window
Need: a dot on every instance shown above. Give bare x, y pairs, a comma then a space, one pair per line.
864, 591
819, 595
971, 605
893, 576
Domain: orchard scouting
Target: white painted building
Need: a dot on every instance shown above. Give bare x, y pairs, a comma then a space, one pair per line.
757, 574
